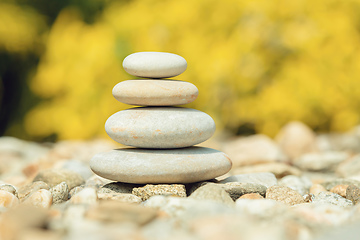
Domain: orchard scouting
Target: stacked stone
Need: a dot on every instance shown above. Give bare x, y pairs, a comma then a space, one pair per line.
162, 136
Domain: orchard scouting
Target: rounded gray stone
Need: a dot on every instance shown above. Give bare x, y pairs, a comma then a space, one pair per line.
332, 198
154, 64
213, 192
160, 127
186, 165
155, 92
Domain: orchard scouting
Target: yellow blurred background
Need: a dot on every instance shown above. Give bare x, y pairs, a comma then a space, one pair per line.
257, 64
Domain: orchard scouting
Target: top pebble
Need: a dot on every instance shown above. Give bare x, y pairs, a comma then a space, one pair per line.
154, 64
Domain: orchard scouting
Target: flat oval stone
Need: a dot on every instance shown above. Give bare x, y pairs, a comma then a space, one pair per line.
185, 165
154, 64
160, 127
155, 92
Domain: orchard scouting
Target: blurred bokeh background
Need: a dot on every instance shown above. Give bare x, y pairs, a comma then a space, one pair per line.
257, 64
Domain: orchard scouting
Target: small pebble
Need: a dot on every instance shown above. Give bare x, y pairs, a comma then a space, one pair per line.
353, 194
7, 199
213, 192
309, 197
323, 161
31, 169
264, 208
76, 190
118, 187
55, 176
332, 198
79, 167
9, 188
149, 190
244, 151
296, 139
340, 181
299, 184
236, 189
30, 188
96, 182
321, 214
60, 193
121, 197
85, 196
22, 217
340, 189
189, 207
41, 198
251, 196
349, 168
284, 194
191, 187
316, 189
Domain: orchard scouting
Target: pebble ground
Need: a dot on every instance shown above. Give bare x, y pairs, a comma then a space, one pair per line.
300, 185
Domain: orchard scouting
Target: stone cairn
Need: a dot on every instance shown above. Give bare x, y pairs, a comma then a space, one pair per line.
161, 136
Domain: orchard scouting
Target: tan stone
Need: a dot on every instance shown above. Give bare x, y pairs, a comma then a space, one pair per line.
7, 199
148, 92
39, 234
284, 194
316, 189
85, 196
350, 167
31, 170
295, 138
251, 196
340, 189
55, 176
122, 197
41, 198
244, 151
76, 190
30, 188
21, 218
150, 190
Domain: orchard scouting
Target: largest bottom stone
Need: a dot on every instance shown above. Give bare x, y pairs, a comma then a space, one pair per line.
185, 165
